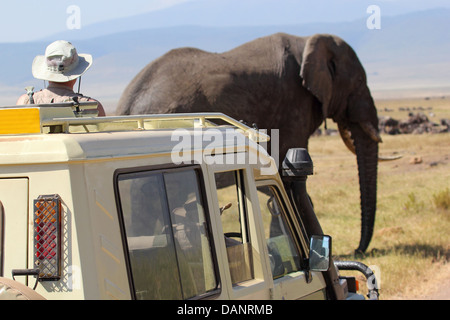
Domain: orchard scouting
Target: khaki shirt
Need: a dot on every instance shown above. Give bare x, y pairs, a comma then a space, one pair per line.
56, 93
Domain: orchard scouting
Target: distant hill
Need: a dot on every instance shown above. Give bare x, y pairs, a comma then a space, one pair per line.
411, 51
229, 13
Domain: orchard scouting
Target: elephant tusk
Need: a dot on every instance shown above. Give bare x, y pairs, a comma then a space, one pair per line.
390, 158
370, 130
347, 138
375, 136
348, 141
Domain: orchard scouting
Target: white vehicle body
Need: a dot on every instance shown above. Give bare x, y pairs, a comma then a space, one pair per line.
93, 175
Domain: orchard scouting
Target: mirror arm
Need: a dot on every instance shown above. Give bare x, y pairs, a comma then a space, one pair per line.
307, 270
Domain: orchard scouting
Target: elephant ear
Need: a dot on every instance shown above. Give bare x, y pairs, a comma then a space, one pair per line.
318, 68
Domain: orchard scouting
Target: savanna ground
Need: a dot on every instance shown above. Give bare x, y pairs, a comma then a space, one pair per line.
410, 248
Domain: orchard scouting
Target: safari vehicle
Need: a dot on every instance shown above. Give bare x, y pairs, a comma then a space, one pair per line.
179, 206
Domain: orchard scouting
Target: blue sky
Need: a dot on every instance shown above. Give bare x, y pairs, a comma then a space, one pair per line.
28, 20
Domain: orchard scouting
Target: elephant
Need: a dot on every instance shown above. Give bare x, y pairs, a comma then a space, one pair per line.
280, 81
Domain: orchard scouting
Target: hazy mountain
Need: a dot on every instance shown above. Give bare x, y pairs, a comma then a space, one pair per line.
229, 13
410, 51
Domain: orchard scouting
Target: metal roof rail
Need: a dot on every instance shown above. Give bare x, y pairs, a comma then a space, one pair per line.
203, 120
59, 117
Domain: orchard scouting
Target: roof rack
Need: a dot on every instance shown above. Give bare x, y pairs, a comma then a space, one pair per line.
75, 117
156, 121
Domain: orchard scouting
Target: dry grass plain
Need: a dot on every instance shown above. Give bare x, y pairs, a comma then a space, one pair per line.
410, 249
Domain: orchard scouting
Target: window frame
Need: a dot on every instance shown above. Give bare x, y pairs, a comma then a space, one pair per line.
292, 222
209, 232
241, 197
301, 284
245, 224
260, 285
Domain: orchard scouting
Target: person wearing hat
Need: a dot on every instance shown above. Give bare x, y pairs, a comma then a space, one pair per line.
61, 66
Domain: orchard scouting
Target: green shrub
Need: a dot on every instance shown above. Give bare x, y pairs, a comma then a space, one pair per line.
442, 199
412, 204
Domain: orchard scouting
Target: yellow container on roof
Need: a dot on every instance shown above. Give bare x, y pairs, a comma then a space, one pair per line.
19, 121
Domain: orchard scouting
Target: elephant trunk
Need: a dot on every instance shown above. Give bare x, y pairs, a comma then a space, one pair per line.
367, 157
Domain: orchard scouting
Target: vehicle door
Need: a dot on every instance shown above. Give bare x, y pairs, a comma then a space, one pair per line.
13, 226
246, 275
287, 247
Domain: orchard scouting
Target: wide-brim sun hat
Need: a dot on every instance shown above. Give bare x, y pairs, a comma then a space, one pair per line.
61, 63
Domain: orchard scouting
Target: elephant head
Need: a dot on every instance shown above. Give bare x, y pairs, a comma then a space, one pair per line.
332, 72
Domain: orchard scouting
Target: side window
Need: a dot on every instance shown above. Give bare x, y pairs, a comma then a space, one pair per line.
231, 196
284, 257
163, 214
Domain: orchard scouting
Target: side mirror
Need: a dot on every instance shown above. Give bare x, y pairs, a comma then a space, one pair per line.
319, 253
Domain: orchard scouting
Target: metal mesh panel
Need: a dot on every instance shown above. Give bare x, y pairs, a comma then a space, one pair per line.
47, 236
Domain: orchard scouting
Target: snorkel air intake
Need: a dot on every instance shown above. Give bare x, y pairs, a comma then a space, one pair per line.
296, 168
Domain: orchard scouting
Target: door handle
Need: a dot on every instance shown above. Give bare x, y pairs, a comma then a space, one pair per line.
26, 272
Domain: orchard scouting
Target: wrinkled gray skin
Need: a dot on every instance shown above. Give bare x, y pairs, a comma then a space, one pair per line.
280, 82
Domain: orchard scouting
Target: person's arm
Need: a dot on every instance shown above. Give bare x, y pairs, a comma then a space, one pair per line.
101, 110
23, 99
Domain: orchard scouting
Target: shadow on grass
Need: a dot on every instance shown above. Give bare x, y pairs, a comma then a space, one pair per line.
434, 252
